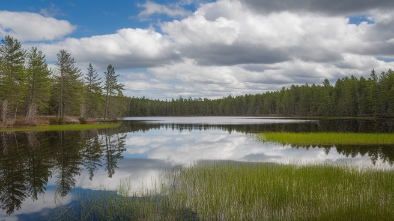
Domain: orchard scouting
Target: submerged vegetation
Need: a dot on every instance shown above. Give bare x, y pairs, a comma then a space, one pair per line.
248, 191
303, 139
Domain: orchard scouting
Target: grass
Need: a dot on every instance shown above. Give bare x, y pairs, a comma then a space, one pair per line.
67, 127
328, 138
250, 191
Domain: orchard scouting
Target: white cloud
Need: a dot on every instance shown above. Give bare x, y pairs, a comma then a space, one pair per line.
26, 26
229, 47
127, 48
151, 8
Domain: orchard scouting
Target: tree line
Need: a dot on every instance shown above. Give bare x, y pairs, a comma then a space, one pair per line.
29, 88
348, 97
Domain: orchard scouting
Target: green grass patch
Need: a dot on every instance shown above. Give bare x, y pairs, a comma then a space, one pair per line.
242, 191
67, 127
248, 191
327, 138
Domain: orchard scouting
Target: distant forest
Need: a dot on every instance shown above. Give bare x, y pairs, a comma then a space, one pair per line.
349, 97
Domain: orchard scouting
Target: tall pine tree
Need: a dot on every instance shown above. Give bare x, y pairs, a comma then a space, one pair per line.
112, 88
38, 82
12, 76
69, 85
93, 93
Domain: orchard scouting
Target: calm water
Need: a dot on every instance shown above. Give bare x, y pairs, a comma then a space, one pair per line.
40, 170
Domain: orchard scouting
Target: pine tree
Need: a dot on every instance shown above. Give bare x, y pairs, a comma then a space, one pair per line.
12, 75
38, 82
93, 93
69, 84
112, 88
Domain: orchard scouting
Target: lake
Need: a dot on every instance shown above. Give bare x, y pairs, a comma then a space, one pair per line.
41, 170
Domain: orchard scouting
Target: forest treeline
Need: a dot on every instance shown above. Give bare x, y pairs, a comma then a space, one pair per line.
29, 88
349, 97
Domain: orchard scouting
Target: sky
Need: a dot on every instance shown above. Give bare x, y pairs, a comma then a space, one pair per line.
168, 49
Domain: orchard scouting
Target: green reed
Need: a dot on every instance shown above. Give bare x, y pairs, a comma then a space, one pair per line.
242, 191
247, 191
327, 138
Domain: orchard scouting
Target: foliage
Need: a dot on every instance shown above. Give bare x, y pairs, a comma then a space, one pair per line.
12, 75
69, 84
349, 97
38, 80
93, 93
28, 87
112, 88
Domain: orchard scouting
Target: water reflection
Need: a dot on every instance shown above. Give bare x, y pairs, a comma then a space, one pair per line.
183, 146
29, 160
39, 170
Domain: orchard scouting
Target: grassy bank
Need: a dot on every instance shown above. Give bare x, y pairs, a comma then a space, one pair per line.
251, 191
66, 127
327, 138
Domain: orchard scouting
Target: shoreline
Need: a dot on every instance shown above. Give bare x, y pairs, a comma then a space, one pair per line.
41, 122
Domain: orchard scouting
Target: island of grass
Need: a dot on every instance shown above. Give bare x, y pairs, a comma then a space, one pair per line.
306, 139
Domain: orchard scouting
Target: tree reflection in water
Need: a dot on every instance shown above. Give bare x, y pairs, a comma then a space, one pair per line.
28, 160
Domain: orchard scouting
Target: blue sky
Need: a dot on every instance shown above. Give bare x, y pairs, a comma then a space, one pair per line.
207, 48
91, 17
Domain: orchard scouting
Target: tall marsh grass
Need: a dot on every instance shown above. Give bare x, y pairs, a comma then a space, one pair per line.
242, 191
327, 138
249, 191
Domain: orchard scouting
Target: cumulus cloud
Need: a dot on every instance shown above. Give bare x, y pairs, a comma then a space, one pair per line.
247, 37
26, 26
128, 48
335, 7
242, 46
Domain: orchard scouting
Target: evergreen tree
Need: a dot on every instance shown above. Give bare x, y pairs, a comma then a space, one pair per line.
12, 76
93, 93
38, 81
68, 84
112, 88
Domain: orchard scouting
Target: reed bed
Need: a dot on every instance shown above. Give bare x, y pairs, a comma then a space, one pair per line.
303, 139
256, 191
248, 191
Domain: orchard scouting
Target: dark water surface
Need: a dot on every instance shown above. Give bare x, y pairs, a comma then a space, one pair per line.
40, 170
